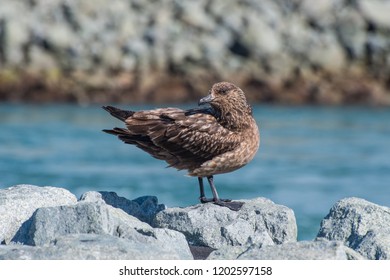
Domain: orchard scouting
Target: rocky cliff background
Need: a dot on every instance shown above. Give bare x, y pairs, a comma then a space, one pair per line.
279, 51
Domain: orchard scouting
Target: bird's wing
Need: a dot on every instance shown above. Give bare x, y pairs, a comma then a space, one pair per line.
183, 140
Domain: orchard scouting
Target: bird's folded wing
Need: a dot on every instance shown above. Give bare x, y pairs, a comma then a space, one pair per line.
181, 140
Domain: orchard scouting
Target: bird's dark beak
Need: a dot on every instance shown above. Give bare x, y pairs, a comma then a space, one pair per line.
205, 100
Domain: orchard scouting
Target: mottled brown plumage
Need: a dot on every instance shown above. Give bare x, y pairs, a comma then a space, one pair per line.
205, 141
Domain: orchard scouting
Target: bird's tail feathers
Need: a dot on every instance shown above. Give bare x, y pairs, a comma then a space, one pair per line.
115, 131
126, 136
118, 113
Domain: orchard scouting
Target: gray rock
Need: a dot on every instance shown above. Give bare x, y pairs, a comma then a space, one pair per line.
259, 221
228, 252
360, 225
92, 247
92, 196
376, 11
152, 42
350, 28
50, 223
144, 208
18, 203
304, 250
84, 217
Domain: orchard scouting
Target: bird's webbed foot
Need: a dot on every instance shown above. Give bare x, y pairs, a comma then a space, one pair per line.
232, 205
207, 200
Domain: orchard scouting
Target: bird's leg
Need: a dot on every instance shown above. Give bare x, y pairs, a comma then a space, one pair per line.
212, 187
232, 205
202, 197
214, 190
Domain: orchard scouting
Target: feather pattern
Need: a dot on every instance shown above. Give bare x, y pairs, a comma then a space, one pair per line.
205, 141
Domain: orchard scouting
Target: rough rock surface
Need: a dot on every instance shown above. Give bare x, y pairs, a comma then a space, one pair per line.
360, 225
303, 250
277, 51
144, 208
92, 246
258, 221
49, 223
18, 203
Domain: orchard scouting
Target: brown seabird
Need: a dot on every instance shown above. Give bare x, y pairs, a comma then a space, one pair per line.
206, 141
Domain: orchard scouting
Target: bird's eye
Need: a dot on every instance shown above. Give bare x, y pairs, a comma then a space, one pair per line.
223, 91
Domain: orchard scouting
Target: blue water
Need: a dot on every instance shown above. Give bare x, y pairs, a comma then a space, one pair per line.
310, 157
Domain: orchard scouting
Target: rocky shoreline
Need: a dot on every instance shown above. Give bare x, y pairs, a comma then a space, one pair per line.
51, 223
291, 52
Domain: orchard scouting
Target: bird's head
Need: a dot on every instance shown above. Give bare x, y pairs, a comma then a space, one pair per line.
228, 101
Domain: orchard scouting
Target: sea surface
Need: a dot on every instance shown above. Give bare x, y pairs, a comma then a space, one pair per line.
310, 157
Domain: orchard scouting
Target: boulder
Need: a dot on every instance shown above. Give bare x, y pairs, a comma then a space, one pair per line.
48, 224
18, 203
259, 221
360, 225
144, 208
303, 250
376, 11
92, 247
172, 51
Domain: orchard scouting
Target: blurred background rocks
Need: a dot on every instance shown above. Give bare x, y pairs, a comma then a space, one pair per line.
277, 51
